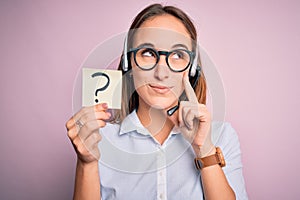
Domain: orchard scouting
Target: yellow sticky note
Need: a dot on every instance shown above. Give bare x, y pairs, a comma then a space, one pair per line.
101, 86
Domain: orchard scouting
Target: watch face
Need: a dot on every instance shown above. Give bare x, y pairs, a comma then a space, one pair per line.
221, 157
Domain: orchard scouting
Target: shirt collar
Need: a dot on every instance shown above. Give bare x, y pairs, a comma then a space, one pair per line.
133, 123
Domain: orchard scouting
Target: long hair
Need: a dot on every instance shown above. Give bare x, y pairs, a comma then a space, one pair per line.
130, 99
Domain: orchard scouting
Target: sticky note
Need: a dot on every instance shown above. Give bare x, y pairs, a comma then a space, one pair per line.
101, 86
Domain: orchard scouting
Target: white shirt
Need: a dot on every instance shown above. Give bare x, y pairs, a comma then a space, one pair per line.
133, 165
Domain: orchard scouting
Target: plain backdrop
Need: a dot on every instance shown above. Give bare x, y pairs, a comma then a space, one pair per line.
254, 44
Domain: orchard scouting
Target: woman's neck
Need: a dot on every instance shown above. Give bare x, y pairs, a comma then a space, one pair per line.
155, 120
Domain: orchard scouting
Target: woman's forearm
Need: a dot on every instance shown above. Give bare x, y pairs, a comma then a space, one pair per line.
215, 184
214, 181
87, 181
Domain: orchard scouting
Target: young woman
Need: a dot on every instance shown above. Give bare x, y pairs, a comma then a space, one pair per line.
165, 146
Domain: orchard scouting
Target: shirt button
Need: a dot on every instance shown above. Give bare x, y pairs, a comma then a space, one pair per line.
162, 152
161, 196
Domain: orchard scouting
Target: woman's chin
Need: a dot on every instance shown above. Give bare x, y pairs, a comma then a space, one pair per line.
163, 104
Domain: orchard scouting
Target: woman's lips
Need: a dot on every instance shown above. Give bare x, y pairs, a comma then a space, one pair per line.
159, 88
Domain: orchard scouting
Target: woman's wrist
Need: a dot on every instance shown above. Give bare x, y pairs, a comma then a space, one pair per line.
93, 166
204, 150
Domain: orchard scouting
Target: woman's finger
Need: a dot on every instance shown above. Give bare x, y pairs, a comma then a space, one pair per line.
87, 149
189, 118
92, 141
90, 127
99, 115
88, 123
74, 130
185, 107
72, 133
189, 89
189, 112
85, 111
182, 104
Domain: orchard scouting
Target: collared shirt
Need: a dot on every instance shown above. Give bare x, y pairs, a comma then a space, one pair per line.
133, 165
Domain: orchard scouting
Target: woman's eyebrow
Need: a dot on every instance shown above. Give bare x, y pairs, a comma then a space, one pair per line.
180, 45
145, 45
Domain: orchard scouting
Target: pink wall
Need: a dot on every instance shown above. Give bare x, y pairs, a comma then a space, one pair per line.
255, 45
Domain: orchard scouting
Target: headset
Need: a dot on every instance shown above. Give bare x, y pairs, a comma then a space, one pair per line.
194, 72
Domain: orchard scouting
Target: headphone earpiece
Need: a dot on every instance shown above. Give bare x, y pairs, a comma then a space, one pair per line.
194, 66
195, 78
125, 60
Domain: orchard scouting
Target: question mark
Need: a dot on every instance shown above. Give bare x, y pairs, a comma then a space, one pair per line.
105, 86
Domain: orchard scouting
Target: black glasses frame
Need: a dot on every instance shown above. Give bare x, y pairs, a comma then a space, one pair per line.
158, 53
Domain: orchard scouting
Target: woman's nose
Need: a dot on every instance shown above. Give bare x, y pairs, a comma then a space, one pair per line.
161, 70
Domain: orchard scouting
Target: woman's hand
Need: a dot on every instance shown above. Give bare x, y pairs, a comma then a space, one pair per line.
195, 122
83, 131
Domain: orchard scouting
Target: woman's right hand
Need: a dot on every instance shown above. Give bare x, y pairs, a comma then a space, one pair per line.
83, 131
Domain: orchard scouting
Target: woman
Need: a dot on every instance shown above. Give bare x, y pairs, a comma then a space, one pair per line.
166, 144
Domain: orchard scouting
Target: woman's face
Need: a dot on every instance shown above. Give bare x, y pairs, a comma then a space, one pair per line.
160, 87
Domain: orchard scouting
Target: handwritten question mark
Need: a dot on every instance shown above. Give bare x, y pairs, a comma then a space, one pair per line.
104, 87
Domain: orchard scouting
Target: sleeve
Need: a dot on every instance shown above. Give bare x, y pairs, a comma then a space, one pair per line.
229, 143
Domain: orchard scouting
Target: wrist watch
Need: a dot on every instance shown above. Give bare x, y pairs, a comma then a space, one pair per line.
214, 159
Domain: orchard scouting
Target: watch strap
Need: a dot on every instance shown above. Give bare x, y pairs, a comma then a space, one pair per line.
214, 159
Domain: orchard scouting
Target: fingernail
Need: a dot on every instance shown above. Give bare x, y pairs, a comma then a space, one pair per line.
104, 105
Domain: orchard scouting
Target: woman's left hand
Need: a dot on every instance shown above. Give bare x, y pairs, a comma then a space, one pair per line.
195, 122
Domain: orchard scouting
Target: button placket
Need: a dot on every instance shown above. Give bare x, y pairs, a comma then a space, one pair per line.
161, 175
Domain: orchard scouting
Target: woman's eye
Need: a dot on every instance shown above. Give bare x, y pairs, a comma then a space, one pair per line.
177, 55
148, 53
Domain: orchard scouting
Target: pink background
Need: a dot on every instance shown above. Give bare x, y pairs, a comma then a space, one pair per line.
255, 45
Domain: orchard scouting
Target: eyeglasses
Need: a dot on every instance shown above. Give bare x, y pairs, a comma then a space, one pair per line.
146, 58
